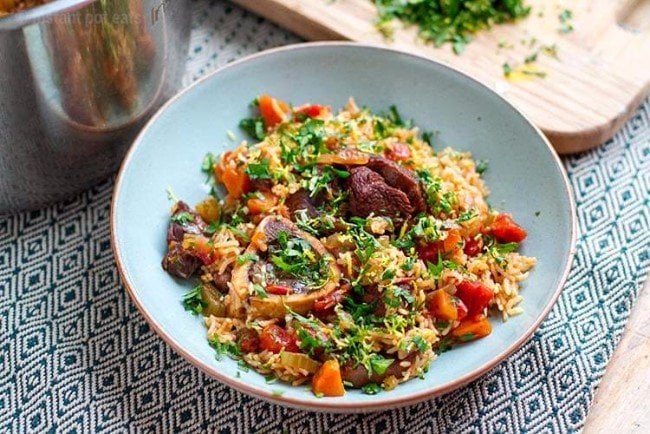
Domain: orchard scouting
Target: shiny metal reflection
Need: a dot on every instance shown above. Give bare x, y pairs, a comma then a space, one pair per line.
77, 81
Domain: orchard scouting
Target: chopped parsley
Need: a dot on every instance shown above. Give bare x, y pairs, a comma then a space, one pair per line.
254, 127
227, 348
247, 257
482, 166
507, 69
207, 165
565, 18
371, 389
183, 218
466, 216
193, 300
452, 22
378, 364
295, 257
259, 170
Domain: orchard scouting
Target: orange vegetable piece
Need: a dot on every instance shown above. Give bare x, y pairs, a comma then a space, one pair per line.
327, 380
200, 247
236, 182
452, 241
232, 176
263, 204
472, 328
209, 209
441, 306
272, 110
347, 156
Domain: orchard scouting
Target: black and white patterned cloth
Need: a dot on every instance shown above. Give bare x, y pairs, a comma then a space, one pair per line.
76, 356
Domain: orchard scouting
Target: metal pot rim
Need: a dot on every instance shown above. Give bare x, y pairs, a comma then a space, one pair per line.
39, 13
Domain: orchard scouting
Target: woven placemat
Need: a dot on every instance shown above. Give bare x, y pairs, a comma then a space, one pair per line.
76, 356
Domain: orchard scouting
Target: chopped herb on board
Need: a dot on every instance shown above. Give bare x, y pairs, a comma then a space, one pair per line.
449, 21
565, 18
507, 69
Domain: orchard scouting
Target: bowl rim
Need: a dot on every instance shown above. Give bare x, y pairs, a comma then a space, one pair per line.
326, 405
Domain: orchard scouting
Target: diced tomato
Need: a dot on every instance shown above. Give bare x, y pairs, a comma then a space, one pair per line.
399, 152
473, 247
272, 110
249, 341
505, 230
472, 328
199, 246
262, 204
429, 252
461, 309
475, 295
324, 306
274, 338
312, 110
278, 289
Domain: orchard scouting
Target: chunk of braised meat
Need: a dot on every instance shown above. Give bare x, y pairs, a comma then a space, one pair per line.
178, 261
369, 193
258, 184
300, 200
220, 281
358, 375
401, 178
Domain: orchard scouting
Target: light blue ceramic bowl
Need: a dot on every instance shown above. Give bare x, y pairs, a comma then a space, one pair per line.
525, 177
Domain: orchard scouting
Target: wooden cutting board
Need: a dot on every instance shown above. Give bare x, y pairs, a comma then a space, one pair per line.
601, 73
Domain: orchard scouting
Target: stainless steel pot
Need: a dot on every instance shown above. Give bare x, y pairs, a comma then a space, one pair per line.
78, 78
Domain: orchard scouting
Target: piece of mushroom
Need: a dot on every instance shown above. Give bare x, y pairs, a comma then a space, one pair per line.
275, 306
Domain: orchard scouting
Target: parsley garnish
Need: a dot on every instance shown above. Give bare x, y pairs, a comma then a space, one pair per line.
466, 216
254, 127
371, 389
226, 348
378, 364
207, 165
193, 301
259, 170
242, 259
481, 166
183, 218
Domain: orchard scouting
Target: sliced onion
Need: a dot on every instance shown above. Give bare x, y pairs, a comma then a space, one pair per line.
299, 361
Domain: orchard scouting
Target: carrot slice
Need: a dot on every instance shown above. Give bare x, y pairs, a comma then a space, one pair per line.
262, 204
472, 328
273, 111
327, 380
441, 306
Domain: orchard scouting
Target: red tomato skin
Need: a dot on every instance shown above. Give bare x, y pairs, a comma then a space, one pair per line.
473, 247
505, 230
278, 289
399, 152
312, 110
461, 309
274, 338
475, 295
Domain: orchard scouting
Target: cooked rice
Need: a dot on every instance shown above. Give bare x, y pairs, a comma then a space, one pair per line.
458, 177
